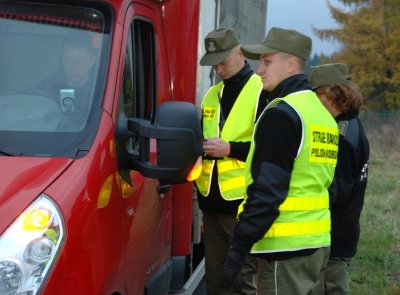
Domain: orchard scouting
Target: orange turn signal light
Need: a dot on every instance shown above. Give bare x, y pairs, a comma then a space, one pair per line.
196, 170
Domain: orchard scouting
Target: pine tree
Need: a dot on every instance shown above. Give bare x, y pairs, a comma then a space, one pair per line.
369, 31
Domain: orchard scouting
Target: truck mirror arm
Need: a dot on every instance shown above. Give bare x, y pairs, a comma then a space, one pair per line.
178, 143
168, 137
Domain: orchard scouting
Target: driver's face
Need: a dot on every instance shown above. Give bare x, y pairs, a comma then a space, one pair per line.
77, 63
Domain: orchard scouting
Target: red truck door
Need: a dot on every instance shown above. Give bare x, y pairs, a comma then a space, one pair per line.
148, 212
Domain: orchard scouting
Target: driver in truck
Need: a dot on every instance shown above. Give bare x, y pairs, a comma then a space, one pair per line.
72, 84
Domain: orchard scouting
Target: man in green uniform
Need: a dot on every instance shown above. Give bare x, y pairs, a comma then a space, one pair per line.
285, 218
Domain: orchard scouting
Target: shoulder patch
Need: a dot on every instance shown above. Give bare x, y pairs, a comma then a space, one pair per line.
343, 127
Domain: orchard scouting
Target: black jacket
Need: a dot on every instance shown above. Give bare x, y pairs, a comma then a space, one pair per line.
277, 138
214, 203
351, 177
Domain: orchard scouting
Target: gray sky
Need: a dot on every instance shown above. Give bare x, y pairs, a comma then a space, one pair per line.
300, 15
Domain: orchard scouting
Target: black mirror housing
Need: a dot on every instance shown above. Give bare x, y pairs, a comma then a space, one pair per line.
177, 132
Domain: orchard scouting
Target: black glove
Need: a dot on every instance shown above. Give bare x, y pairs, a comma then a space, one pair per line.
233, 264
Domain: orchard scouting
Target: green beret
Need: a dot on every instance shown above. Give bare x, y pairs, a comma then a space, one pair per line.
218, 45
280, 40
329, 74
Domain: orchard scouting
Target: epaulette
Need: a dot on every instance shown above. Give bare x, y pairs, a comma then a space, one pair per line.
350, 131
343, 127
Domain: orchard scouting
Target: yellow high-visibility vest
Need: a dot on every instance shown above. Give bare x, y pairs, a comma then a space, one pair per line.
238, 127
304, 220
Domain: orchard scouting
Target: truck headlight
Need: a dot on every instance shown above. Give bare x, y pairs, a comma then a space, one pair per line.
28, 248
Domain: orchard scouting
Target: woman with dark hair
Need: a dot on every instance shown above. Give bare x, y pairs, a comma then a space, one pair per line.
342, 98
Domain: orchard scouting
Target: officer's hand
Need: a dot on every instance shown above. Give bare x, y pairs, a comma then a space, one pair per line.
233, 264
216, 147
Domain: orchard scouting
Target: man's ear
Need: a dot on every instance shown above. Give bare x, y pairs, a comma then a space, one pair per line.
293, 65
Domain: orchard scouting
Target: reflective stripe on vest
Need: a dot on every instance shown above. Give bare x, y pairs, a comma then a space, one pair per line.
304, 219
238, 127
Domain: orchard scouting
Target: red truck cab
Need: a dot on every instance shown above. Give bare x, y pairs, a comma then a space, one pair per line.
97, 125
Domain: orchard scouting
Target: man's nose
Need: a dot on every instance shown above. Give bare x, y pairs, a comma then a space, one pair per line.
218, 68
260, 70
76, 67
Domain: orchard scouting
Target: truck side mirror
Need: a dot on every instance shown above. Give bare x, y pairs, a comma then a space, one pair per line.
177, 133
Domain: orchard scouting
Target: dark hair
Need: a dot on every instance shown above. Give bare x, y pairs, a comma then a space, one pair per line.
344, 96
80, 39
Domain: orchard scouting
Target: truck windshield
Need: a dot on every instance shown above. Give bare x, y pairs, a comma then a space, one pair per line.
52, 67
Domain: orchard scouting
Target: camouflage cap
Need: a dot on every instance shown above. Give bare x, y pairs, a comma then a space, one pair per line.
280, 40
218, 45
329, 74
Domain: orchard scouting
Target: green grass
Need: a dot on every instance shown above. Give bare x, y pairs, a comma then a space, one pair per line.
375, 270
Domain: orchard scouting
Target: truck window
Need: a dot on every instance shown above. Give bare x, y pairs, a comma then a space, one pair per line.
138, 92
52, 73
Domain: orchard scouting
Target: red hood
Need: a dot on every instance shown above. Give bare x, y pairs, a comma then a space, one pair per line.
22, 179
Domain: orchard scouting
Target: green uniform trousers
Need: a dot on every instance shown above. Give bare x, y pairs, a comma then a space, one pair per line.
294, 276
218, 230
337, 276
